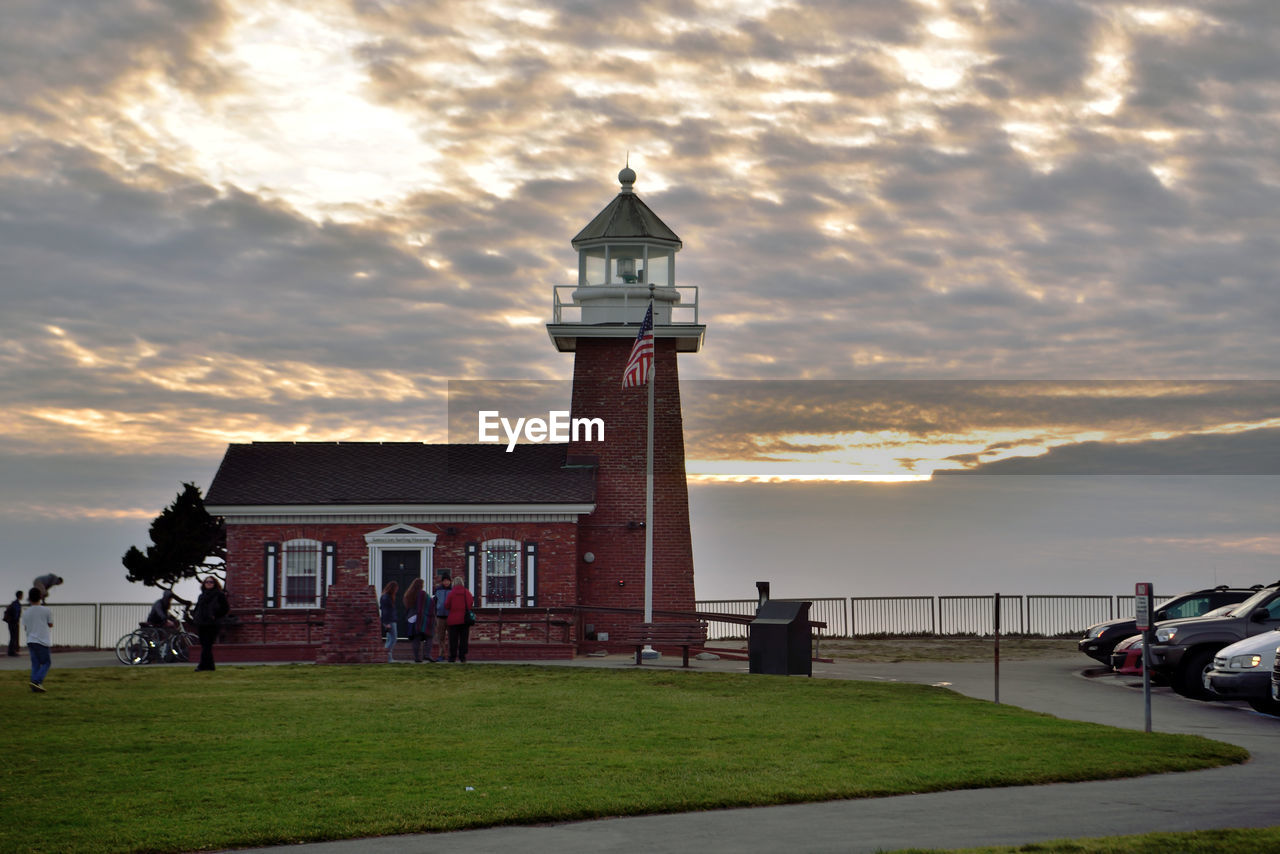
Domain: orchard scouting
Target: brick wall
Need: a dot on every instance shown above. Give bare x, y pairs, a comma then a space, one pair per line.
352, 630
557, 581
616, 577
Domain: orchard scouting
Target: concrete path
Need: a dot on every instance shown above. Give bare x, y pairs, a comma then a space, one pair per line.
1239, 796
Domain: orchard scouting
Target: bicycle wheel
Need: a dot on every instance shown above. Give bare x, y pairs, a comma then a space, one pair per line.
178, 647
122, 647
134, 648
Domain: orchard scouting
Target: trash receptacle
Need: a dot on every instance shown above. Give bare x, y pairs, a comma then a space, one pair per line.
779, 641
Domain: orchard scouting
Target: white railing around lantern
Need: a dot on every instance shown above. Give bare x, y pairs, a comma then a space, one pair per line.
684, 311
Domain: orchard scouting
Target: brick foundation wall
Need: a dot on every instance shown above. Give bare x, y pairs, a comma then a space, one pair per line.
352, 631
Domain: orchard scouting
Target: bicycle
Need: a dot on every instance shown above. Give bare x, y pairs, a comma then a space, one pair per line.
148, 643
138, 646
177, 647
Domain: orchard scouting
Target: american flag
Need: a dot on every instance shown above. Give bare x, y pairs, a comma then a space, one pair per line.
641, 361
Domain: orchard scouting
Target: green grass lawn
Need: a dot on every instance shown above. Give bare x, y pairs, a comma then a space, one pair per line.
164, 759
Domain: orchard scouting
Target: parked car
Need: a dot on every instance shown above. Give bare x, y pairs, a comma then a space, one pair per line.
1242, 671
1100, 639
1183, 650
1126, 658
1275, 679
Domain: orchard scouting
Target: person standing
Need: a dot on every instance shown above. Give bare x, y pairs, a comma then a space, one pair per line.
439, 595
39, 622
418, 607
387, 609
211, 608
459, 603
12, 615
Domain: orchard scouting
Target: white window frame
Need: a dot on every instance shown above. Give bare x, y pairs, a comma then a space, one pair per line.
317, 571
513, 547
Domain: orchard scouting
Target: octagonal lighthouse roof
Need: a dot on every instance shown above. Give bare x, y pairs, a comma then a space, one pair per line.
626, 217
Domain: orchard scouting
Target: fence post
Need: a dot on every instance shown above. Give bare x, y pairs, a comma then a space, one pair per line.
997, 637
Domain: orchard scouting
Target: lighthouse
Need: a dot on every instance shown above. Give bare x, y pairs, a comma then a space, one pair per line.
626, 259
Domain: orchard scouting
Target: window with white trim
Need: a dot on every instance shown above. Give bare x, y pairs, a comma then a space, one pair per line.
501, 562
301, 560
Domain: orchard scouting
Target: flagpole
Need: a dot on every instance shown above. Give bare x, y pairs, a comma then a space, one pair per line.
648, 488
648, 493
644, 349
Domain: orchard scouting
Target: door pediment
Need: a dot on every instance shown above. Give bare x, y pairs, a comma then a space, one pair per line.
400, 534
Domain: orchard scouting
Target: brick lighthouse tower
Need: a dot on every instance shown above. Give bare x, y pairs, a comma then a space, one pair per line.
626, 256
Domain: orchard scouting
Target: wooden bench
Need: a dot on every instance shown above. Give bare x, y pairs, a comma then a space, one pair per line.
683, 635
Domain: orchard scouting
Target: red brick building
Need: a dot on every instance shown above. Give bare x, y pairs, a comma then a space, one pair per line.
550, 537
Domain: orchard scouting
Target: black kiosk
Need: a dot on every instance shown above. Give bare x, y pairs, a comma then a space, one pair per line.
780, 638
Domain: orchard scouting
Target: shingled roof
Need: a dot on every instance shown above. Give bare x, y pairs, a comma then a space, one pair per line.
363, 473
626, 217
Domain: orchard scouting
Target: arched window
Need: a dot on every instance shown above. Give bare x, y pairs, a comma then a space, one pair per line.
500, 560
302, 575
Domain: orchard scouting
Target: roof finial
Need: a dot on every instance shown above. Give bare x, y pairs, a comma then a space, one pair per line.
627, 177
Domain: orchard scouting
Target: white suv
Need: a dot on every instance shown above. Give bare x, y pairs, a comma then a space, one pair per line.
1242, 671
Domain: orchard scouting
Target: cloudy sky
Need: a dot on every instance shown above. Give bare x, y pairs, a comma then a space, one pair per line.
1003, 237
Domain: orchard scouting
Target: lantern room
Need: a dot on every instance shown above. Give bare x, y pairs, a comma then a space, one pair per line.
626, 256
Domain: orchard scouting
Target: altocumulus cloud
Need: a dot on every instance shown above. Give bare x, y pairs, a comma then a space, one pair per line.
231, 220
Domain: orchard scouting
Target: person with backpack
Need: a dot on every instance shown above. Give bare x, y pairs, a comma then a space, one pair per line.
439, 595
12, 615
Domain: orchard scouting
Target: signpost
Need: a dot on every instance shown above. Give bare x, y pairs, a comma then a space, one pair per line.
1142, 614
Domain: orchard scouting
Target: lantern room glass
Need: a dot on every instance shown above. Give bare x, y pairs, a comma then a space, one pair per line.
626, 264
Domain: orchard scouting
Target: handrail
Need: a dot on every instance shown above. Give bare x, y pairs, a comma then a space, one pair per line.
686, 302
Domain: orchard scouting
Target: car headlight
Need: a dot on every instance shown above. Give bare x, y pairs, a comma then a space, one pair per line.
1093, 631
1244, 662
1166, 635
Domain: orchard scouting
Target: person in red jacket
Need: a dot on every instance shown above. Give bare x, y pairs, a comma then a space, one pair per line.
459, 603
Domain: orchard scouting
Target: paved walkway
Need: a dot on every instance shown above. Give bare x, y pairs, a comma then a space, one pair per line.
1245, 795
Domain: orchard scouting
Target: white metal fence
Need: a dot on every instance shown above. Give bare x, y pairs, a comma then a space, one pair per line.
94, 625
100, 625
832, 611
1039, 615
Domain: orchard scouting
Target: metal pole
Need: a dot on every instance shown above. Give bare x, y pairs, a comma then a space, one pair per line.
1142, 602
648, 500
997, 650
649, 651
1146, 679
